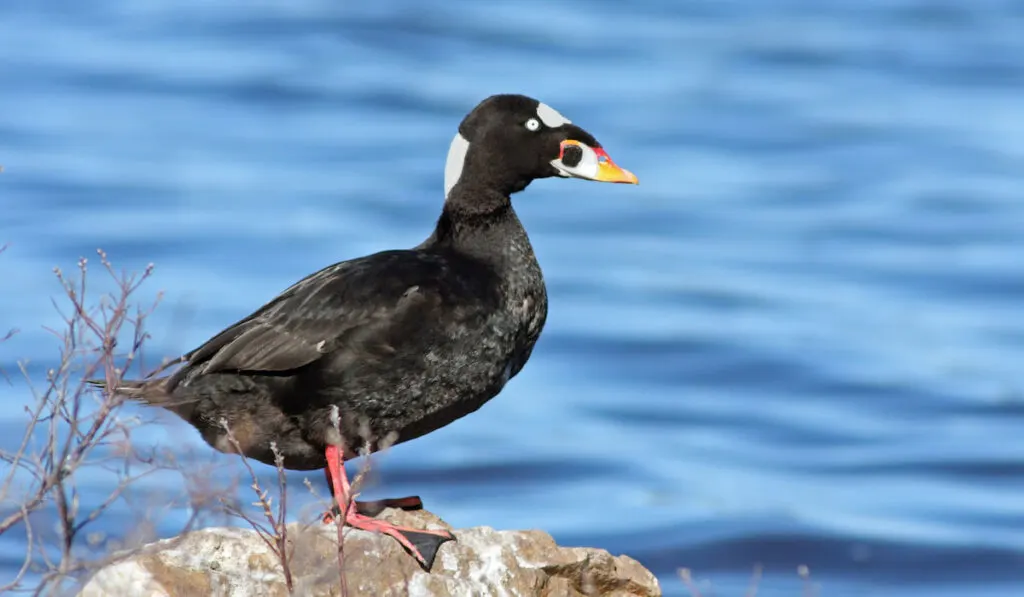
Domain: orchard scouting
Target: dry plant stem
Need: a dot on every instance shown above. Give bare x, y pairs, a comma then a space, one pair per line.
687, 577
276, 535
67, 423
339, 521
27, 562
282, 510
10, 334
755, 581
805, 573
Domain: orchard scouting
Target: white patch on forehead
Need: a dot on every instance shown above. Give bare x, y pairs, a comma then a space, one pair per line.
550, 116
453, 165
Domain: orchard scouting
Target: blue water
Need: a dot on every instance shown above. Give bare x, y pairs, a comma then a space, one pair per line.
798, 342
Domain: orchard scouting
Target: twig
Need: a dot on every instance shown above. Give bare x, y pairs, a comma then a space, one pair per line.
805, 573
755, 580
339, 521
26, 563
686, 576
282, 510
7, 336
276, 535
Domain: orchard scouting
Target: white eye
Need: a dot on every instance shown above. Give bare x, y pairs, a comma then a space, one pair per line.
532, 124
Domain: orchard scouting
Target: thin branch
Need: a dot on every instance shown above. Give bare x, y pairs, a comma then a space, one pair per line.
27, 562
805, 573
755, 581
276, 535
339, 521
686, 576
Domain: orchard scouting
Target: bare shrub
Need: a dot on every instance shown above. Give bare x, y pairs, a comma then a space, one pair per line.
73, 432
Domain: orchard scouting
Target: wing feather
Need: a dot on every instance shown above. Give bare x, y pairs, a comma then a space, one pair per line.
358, 303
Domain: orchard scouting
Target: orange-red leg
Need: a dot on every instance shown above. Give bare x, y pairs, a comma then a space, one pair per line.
422, 544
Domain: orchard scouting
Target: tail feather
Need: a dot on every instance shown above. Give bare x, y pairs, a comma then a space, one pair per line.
136, 390
150, 391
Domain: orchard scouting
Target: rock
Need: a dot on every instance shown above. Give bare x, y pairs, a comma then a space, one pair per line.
482, 562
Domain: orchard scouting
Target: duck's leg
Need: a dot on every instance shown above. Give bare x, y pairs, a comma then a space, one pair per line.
375, 507
421, 544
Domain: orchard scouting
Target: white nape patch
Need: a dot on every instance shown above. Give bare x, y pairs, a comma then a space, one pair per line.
456, 160
550, 116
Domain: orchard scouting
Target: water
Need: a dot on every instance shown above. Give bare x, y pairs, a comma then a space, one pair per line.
798, 342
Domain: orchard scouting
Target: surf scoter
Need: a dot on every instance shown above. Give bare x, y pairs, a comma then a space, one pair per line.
384, 348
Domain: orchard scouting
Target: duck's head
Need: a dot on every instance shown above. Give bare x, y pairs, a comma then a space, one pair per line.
507, 141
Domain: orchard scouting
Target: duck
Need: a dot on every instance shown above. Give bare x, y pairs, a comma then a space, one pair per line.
379, 350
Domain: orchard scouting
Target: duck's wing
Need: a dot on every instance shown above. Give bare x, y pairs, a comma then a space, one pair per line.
358, 302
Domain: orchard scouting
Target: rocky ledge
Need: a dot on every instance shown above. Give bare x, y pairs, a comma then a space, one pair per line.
237, 563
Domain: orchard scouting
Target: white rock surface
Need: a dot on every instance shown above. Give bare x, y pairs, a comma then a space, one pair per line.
232, 562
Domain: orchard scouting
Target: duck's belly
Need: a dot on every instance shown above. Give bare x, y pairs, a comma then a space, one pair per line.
447, 406
400, 398
393, 410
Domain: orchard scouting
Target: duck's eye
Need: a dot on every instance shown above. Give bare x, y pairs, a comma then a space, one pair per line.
532, 124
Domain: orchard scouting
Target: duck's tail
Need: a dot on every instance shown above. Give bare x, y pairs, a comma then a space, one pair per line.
148, 391
135, 390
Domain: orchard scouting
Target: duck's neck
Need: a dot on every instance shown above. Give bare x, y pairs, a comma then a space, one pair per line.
481, 223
